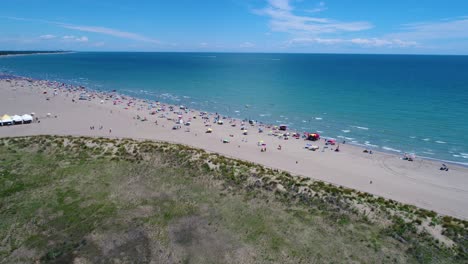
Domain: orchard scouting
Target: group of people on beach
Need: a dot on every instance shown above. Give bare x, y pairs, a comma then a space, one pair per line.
165, 112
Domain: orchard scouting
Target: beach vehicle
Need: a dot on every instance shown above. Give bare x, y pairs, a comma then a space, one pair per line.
226, 140
283, 127
313, 147
209, 130
330, 141
313, 136
83, 96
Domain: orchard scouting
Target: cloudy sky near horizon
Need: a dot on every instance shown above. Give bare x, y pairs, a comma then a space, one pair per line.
334, 26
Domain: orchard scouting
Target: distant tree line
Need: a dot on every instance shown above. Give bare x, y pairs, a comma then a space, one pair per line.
26, 52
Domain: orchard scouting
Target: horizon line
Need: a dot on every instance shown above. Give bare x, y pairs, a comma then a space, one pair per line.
236, 52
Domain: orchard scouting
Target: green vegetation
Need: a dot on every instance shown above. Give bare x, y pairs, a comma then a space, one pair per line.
65, 199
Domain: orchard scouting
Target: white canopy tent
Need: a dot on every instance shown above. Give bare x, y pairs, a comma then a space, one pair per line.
17, 119
6, 120
27, 118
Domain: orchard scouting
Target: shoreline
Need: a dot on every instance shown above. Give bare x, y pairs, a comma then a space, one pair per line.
419, 183
348, 142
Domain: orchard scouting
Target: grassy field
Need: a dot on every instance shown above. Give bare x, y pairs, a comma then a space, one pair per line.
88, 200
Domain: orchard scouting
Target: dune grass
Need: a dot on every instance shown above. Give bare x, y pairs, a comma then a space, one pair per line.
65, 199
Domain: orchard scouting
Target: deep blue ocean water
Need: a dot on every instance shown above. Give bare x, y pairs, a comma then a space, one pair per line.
397, 103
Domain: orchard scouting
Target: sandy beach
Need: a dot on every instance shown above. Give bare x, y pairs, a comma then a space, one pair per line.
419, 182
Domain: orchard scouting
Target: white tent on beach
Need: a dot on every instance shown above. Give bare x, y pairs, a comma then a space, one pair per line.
17, 119
6, 120
27, 118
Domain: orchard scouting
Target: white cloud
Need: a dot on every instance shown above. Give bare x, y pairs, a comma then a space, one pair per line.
111, 32
247, 45
99, 44
283, 19
48, 36
82, 39
442, 29
302, 41
311, 30
92, 29
281, 4
364, 42
71, 38
320, 7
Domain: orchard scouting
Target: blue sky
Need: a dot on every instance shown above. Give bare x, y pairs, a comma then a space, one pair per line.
334, 26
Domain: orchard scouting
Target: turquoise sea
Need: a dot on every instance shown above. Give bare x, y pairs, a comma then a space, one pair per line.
395, 103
